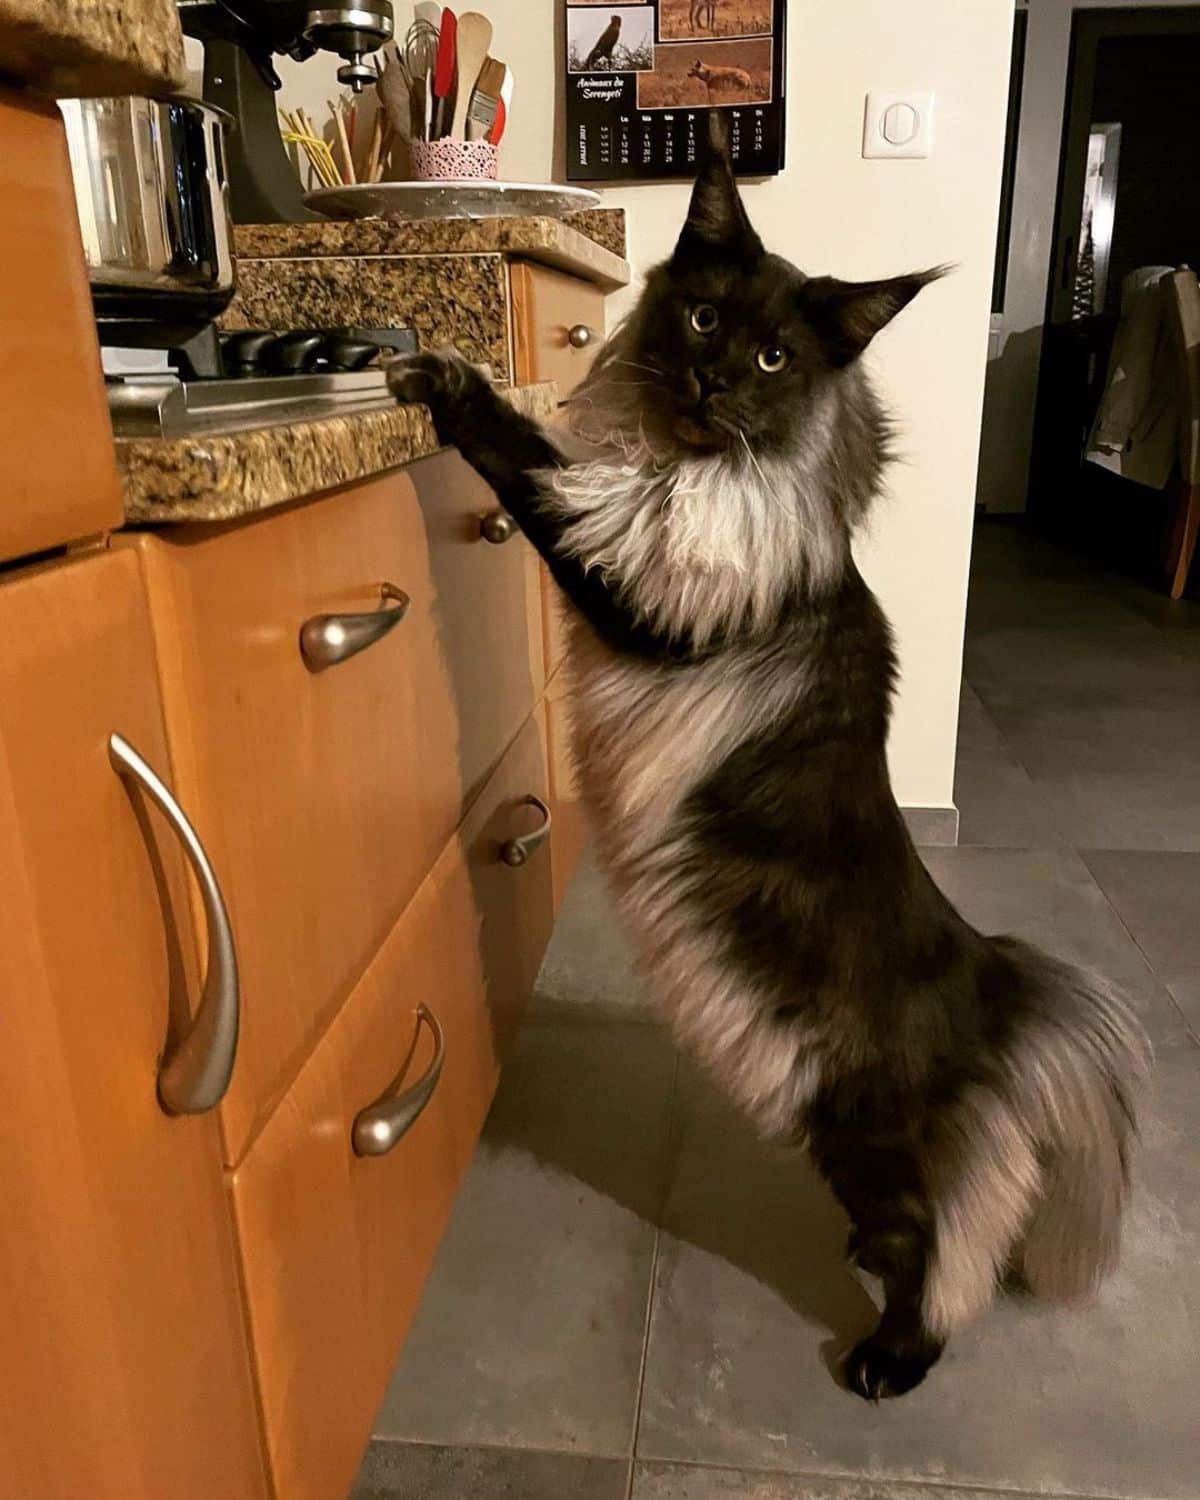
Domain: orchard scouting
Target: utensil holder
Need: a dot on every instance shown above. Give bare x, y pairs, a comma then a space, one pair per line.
447, 158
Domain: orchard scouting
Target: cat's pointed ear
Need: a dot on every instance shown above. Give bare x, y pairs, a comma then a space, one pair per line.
717, 218
848, 314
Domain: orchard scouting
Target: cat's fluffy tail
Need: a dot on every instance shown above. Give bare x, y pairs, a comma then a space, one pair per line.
1030, 1167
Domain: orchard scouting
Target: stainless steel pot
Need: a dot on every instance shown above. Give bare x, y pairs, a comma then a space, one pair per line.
150, 185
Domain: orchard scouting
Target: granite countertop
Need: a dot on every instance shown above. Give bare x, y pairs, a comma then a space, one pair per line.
567, 245
90, 47
225, 477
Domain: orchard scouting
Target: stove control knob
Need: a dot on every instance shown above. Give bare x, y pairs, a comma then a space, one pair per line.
296, 353
349, 354
246, 353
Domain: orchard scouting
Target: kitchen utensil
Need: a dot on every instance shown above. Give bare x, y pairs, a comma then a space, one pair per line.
343, 140
420, 64
371, 162
152, 197
446, 69
481, 113
462, 199
317, 150
473, 41
392, 87
506, 90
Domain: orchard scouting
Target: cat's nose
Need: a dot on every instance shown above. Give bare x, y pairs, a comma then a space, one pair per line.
711, 382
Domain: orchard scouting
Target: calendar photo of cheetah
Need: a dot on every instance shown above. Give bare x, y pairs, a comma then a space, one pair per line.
707, 75
708, 20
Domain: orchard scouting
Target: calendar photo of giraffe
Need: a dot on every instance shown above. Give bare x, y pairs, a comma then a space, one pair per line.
710, 20
707, 75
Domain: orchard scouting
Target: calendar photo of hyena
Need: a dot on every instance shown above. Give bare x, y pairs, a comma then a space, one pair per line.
682, 20
707, 75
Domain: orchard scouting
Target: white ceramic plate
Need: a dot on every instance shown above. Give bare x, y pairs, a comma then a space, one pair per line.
456, 198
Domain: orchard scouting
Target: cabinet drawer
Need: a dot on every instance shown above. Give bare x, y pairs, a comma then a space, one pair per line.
60, 470
546, 306
331, 793
125, 1372
336, 1246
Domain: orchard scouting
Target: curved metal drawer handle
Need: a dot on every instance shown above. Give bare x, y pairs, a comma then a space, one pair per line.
195, 1073
580, 336
326, 640
380, 1125
497, 527
516, 851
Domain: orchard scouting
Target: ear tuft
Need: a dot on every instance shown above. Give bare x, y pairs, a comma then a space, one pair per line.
848, 314
717, 218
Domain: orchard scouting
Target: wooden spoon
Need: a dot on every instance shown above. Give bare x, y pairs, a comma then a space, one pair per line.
473, 41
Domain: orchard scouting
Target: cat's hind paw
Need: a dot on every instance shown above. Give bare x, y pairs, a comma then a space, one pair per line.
875, 1372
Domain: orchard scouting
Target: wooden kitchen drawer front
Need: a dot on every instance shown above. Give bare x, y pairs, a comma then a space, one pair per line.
60, 468
547, 306
336, 1247
331, 793
125, 1372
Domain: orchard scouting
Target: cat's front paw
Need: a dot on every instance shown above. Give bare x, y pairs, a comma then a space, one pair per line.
438, 381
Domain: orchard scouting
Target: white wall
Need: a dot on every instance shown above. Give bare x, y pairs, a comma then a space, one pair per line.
832, 211
1012, 380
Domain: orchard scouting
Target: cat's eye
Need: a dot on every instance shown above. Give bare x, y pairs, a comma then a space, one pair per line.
771, 359
704, 317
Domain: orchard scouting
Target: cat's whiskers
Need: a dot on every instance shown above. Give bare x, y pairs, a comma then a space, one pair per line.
634, 365
766, 486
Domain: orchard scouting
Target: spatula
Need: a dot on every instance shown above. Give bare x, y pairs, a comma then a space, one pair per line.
474, 39
443, 77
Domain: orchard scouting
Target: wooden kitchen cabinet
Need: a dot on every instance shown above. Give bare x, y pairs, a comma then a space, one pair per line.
60, 473
331, 793
336, 1246
125, 1373
557, 324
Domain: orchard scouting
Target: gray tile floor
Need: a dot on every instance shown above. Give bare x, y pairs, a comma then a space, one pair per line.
636, 1301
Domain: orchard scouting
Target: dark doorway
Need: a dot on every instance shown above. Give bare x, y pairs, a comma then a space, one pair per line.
1130, 159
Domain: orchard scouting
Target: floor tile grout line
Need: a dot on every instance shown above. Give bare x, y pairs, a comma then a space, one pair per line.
379, 1440
660, 1214
1129, 932
851, 1477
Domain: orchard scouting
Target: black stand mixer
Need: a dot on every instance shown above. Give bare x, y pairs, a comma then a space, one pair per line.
241, 37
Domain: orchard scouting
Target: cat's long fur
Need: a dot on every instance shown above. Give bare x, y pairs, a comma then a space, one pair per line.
969, 1099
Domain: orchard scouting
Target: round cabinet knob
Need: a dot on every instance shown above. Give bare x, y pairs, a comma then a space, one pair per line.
582, 337
496, 527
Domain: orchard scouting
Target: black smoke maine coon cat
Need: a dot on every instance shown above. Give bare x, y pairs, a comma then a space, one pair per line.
968, 1098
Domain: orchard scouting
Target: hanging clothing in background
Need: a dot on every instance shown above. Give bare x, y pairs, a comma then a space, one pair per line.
1135, 433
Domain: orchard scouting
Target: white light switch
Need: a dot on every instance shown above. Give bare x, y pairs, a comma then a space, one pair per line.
898, 125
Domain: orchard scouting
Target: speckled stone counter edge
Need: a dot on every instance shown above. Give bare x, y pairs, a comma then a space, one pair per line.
89, 47
227, 477
552, 241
